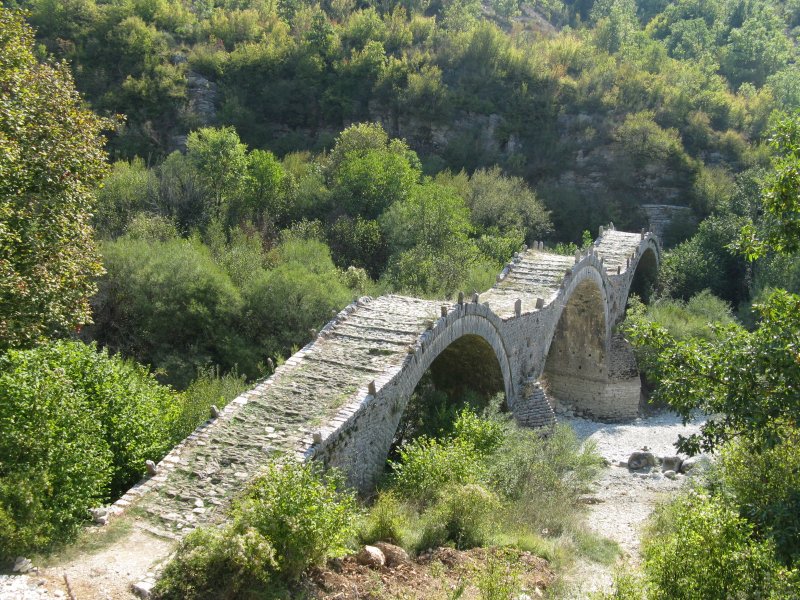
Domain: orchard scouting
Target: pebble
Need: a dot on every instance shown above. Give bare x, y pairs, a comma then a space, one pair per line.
22, 587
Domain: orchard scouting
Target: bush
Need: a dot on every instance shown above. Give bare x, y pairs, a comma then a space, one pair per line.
485, 435
500, 578
700, 548
210, 387
543, 476
77, 426
694, 318
427, 465
170, 305
464, 515
302, 514
289, 519
214, 564
385, 521
765, 486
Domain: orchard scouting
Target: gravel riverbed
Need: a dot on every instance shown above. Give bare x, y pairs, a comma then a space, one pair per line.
621, 500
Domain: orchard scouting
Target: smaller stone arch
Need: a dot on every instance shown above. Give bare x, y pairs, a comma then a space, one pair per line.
645, 274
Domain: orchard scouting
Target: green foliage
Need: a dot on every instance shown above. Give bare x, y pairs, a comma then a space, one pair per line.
464, 515
358, 242
221, 163
485, 435
427, 465
702, 549
215, 563
170, 305
506, 203
763, 484
749, 380
304, 516
386, 520
706, 261
289, 519
210, 388
77, 428
698, 318
300, 293
781, 221
499, 579
51, 154
130, 188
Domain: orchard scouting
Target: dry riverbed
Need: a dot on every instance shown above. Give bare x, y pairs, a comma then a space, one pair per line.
622, 500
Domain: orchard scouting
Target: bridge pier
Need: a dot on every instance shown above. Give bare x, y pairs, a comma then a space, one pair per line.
612, 393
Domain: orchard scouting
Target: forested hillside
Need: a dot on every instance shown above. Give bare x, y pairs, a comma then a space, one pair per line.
493, 125
599, 106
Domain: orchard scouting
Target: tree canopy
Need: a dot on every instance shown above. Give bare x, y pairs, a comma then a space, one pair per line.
51, 157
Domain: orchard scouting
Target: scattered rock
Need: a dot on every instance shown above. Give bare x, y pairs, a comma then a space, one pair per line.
670, 474
143, 589
671, 463
395, 555
99, 515
22, 565
640, 460
214, 411
694, 463
371, 557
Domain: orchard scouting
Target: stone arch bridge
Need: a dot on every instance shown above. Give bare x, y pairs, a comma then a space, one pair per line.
546, 325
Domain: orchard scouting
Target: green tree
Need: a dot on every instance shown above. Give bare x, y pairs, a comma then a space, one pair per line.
221, 163
779, 229
129, 189
78, 425
496, 200
748, 380
51, 156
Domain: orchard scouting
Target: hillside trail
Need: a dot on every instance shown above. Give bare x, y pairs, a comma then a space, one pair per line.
621, 501
618, 505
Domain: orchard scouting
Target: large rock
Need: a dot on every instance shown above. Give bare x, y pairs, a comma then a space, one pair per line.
640, 460
671, 463
371, 557
22, 565
694, 463
395, 555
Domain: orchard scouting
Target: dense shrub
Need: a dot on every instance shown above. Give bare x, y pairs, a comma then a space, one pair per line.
213, 564
706, 261
170, 305
386, 520
765, 486
700, 548
464, 515
289, 519
427, 465
695, 318
77, 426
209, 388
543, 476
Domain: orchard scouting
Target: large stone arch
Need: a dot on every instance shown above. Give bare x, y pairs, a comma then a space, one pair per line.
576, 366
360, 446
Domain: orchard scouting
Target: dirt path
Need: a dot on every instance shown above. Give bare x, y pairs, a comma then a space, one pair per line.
622, 500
